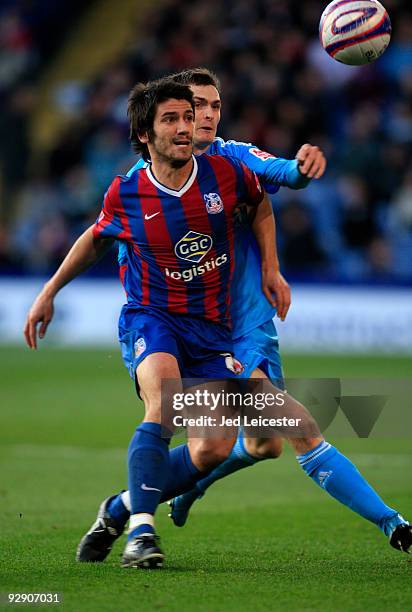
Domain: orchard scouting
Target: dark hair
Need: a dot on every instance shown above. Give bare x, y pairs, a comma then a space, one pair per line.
142, 105
197, 76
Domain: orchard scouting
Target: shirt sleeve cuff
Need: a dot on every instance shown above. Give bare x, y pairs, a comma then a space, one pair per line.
294, 178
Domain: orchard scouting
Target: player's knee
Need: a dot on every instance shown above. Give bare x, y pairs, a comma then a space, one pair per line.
152, 407
264, 448
211, 453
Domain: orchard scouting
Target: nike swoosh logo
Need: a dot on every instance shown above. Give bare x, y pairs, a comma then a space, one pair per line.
147, 217
146, 488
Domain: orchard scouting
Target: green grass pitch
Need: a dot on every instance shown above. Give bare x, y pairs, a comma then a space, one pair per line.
264, 539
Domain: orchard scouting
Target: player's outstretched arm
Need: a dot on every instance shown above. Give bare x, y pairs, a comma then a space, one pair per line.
309, 163
274, 286
84, 253
273, 172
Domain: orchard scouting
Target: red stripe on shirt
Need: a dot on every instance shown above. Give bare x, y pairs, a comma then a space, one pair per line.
113, 207
114, 195
105, 219
225, 172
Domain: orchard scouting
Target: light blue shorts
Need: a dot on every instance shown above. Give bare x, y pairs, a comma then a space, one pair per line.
260, 349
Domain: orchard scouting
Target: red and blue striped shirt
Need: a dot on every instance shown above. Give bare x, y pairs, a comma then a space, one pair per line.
177, 251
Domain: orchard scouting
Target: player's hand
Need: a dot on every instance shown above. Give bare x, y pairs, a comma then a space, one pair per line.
277, 291
40, 312
311, 160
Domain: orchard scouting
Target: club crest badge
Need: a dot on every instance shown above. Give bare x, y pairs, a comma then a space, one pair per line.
233, 364
139, 347
214, 204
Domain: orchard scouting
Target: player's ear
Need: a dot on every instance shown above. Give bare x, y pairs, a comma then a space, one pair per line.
143, 137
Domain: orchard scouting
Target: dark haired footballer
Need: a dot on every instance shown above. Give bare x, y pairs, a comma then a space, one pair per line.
251, 327
168, 329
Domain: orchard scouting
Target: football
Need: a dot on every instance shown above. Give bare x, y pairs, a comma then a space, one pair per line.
355, 32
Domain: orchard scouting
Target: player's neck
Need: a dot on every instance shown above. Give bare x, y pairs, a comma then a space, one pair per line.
173, 178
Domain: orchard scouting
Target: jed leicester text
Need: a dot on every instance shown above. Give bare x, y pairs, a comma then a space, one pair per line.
239, 421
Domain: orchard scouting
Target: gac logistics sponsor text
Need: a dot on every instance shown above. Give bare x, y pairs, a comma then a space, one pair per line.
190, 273
194, 247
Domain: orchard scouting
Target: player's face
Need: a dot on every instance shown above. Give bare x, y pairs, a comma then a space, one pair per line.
207, 106
173, 129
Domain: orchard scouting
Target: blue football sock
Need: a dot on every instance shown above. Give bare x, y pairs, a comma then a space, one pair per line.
238, 459
341, 479
182, 477
118, 510
148, 467
183, 474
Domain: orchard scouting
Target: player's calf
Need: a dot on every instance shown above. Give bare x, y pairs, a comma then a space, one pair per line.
239, 458
207, 453
264, 448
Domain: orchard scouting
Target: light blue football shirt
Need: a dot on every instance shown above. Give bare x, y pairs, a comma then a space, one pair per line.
250, 308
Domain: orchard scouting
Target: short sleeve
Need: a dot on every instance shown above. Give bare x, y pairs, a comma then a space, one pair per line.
109, 222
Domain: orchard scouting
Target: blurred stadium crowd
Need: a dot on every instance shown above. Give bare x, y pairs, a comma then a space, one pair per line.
279, 90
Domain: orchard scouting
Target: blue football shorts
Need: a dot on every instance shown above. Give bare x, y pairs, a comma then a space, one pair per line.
260, 349
203, 349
